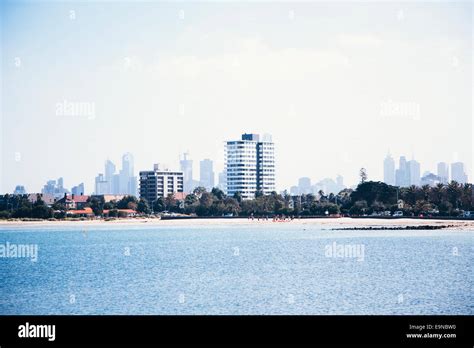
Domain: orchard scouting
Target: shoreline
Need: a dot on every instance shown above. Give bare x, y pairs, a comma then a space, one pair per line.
373, 223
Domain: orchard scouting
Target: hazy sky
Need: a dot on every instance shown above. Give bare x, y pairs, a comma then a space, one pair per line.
337, 84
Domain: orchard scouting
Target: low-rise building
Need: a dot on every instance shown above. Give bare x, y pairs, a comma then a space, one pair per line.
86, 212
74, 201
160, 183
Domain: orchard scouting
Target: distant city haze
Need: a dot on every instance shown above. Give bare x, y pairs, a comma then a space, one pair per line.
337, 85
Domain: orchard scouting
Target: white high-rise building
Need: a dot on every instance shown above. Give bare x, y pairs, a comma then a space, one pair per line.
250, 166
389, 170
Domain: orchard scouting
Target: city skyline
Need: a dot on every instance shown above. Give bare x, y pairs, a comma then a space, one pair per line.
408, 173
444, 173
335, 86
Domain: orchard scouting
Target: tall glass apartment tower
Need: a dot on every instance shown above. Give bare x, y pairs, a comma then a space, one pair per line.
250, 166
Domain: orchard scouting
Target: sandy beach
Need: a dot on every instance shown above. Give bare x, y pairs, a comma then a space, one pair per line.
324, 222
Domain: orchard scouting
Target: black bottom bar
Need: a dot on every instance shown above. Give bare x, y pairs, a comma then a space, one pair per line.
193, 330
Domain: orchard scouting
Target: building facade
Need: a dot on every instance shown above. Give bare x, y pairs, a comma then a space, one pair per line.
250, 166
158, 183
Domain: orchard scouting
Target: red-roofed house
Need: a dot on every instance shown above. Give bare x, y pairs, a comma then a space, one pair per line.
74, 201
86, 212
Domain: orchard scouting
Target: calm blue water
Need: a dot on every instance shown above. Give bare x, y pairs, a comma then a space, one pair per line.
265, 268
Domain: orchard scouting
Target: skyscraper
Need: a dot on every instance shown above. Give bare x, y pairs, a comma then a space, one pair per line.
304, 185
57, 190
389, 170
457, 173
401, 174
206, 174
19, 190
413, 172
127, 181
109, 176
222, 181
186, 166
250, 166
340, 183
443, 172
78, 190
101, 185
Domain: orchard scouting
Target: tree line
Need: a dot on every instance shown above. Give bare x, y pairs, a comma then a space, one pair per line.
370, 197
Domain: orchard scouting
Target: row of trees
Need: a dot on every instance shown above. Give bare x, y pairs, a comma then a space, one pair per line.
445, 200
18, 206
369, 197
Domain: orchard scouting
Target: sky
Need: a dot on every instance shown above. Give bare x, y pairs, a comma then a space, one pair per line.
337, 84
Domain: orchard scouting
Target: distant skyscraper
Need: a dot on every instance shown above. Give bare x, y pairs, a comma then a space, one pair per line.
20, 190
127, 181
78, 190
250, 166
294, 190
206, 174
186, 166
328, 185
457, 173
55, 189
401, 174
304, 185
222, 181
116, 184
102, 186
340, 183
443, 172
413, 172
122, 183
109, 176
389, 170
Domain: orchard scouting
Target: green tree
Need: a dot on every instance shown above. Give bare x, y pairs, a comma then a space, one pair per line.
143, 207
124, 203
96, 203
